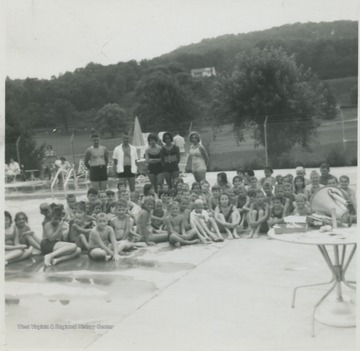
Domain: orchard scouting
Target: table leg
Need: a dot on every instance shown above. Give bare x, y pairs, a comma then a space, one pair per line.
340, 312
308, 286
328, 261
318, 304
349, 285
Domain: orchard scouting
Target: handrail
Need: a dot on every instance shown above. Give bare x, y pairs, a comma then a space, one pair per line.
56, 179
68, 176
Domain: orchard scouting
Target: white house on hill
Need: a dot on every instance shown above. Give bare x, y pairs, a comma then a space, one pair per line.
203, 72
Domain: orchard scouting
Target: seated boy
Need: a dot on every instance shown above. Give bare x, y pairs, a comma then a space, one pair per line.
97, 208
280, 193
70, 207
110, 198
112, 210
122, 225
103, 200
158, 215
102, 242
289, 194
267, 189
46, 212
276, 212
176, 228
92, 196
79, 231
52, 247
301, 208
144, 224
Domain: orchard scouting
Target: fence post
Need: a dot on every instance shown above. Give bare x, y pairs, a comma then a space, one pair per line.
342, 127
72, 146
17, 150
265, 137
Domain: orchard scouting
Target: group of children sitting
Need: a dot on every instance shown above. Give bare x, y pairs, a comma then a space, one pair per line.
107, 224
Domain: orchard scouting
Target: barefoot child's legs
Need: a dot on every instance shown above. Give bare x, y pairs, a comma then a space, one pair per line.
31, 240
17, 255
216, 229
52, 249
176, 238
190, 234
57, 260
252, 219
200, 232
99, 254
235, 219
223, 226
160, 237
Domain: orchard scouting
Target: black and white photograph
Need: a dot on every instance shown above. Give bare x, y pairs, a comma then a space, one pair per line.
180, 175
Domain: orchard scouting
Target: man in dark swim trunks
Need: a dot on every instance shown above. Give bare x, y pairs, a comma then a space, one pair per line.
96, 161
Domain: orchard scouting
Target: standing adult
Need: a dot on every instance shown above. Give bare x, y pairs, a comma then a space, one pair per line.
153, 160
198, 157
96, 161
48, 162
170, 157
179, 141
125, 157
13, 170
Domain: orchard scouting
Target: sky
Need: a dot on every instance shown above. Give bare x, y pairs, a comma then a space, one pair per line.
45, 38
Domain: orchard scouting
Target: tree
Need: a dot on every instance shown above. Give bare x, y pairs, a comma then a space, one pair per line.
268, 83
64, 112
111, 119
329, 104
164, 99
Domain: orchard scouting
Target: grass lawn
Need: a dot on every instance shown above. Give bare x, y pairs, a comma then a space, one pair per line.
342, 88
226, 154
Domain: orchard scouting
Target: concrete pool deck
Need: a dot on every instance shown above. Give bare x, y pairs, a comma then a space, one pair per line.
223, 296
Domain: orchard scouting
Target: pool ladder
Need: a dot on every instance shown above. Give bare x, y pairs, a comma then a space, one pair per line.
70, 175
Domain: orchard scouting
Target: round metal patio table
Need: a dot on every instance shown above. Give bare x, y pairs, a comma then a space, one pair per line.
339, 310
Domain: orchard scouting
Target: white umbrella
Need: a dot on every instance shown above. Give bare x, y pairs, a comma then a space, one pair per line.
138, 139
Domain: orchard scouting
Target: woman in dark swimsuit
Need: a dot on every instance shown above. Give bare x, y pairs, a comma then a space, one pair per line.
170, 156
153, 160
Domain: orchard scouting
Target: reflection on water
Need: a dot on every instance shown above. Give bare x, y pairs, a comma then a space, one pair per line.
25, 270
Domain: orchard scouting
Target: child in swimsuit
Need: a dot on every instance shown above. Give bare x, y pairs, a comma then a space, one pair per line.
301, 208
144, 224
122, 224
26, 235
267, 189
214, 199
102, 242
157, 219
53, 248
202, 221
79, 231
175, 226
258, 215
276, 212
242, 204
227, 216
14, 251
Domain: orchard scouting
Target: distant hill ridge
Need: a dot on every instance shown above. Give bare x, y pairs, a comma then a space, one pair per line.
329, 48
